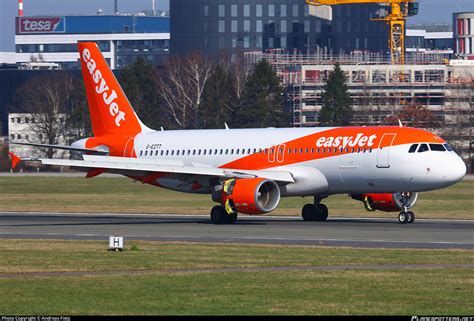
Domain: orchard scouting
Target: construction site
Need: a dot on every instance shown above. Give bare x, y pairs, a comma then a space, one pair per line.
380, 85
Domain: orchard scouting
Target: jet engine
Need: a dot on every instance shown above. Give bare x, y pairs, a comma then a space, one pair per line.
249, 195
387, 202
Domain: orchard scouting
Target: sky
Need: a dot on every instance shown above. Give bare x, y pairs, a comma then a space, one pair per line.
430, 11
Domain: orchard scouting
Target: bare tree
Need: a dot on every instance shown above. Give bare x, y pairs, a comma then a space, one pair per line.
413, 115
46, 98
182, 85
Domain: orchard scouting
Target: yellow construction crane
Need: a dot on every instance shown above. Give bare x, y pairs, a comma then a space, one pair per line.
395, 18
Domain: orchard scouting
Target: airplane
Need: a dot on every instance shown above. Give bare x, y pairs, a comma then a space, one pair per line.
248, 171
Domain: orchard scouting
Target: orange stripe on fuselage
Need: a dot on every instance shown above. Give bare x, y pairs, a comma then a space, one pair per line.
341, 137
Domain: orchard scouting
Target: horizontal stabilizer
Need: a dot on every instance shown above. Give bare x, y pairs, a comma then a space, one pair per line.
69, 148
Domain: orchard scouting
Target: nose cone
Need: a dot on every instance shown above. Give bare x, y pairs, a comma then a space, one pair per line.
456, 170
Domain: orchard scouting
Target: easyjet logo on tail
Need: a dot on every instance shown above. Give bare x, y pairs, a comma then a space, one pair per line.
346, 141
108, 96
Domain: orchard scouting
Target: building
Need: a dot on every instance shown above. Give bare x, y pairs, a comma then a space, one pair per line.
379, 89
423, 41
232, 26
26, 128
121, 38
463, 25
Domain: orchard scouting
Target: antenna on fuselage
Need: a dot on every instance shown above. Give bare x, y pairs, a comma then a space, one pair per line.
400, 122
226, 126
162, 129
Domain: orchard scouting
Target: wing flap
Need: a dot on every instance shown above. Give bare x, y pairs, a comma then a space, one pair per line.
122, 164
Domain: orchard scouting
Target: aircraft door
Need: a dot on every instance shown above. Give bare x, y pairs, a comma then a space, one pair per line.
383, 151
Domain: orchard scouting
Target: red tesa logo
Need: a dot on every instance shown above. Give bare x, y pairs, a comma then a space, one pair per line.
40, 25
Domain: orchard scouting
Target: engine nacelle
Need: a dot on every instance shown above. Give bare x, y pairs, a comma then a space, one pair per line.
387, 202
250, 195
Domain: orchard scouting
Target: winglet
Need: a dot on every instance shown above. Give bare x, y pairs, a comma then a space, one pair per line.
15, 160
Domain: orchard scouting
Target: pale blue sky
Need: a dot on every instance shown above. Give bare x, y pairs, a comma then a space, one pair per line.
430, 11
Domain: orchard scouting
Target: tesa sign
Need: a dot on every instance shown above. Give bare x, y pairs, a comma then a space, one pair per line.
41, 25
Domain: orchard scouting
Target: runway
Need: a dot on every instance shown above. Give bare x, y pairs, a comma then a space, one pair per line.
353, 232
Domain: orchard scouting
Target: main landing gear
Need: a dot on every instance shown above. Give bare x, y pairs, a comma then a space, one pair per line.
315, 212
220, 216
406, 217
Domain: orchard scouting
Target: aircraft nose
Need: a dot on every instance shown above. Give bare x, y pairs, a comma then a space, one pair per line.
456, 170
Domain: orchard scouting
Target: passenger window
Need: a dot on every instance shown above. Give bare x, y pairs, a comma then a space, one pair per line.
141, 153
413, 148
172, 152
423, 148
167, 153
437, 148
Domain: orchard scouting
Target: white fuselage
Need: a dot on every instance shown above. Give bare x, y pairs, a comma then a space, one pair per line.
371, 169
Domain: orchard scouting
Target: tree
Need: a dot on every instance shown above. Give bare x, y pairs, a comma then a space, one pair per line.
336, 110
78, 123
47, 99
413, 115
218, 100
181, 87
141, 85
262, 102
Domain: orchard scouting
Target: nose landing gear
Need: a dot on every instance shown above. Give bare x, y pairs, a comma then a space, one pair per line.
406, 217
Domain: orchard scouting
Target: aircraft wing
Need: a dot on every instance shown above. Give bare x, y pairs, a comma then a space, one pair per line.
143, 167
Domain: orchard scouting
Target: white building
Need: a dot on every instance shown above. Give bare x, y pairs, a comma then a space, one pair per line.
24, 128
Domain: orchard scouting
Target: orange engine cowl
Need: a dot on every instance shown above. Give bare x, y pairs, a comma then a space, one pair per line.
387, 202
250, 195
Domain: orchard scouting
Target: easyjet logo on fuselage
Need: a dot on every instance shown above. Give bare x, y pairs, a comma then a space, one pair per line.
102, 89
359, 140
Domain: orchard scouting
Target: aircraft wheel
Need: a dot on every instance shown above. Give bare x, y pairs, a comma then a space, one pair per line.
231, 218
220, 216
403, 217
309, 212
323, 212
411, 217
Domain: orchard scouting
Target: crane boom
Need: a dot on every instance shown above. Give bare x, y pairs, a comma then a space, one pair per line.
396, 19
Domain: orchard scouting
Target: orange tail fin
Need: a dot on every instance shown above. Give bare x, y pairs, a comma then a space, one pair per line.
110, 110
15, 160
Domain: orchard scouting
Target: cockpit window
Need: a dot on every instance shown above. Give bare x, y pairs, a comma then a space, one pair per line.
437, 147
423, 148
413, 148
448, 147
